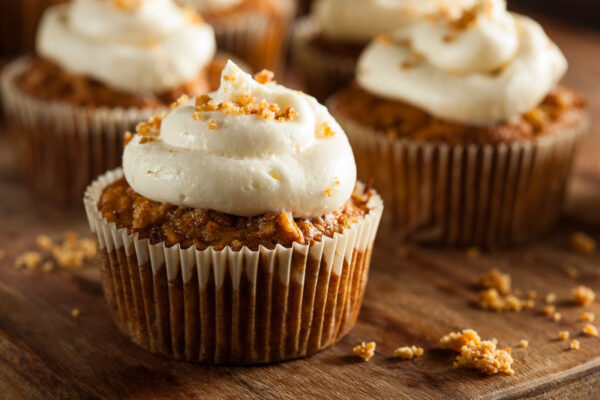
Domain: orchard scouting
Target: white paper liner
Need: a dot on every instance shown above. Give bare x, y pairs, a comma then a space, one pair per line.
64, 147
322, 72
257, 38
233, 307
466, 195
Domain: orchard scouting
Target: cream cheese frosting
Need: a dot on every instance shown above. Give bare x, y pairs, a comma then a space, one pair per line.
481, 67
359, 21
211, 5
246, 149
131, 45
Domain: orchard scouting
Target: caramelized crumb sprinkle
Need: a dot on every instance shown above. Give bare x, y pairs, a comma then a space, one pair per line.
365, 350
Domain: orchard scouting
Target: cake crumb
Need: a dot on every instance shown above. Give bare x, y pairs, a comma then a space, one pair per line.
365, 350
549, 310
485, 357
473, 252
513, 303
47, 266
556, 317
583, 295
127, 138
550, 298
408, 352
75, 313
575, 344
490, 299
324, 131
528, 304
29, 259
590, 330
524, 343
265, 76
44, 242
582, 243
456, 340
563, 335
588, 317
495, 279
212, 124
532, 294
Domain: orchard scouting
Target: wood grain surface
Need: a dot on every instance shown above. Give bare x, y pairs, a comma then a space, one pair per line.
414, 296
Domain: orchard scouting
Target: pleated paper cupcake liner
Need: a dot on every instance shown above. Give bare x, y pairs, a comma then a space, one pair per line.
323, 73
257, 38
62, 147
233, 307
487, 195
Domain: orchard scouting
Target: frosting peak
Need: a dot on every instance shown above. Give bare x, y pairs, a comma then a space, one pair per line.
245, 149
131, 45
478, 65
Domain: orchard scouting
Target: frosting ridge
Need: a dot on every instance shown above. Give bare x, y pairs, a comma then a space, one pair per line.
246, 149
481, 67
131, 45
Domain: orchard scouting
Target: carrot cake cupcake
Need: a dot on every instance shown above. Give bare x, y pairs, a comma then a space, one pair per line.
254, 30
459, 119
101, 67
327, 43
236, 232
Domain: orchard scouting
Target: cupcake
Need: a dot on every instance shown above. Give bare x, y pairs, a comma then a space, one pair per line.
327, 43
253, 30
235, 232
460, 120
101, 67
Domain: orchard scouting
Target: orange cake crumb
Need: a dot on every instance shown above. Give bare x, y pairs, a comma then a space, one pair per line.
365, 350
29, 259
549, 310
556, 317
47, 266
575, 344
265, 76
456, 340
524, 343
583, 295
563, 335
528, 304
590, 330
582, 243
485, 357
75, 312
532, 294
408, 352
550, 298
496, 279
588, 317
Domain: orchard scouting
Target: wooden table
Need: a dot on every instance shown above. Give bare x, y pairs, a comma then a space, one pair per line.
412, 298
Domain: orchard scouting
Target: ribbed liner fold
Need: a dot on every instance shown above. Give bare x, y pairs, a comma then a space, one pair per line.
233, 307
323, 73
62, 147
466, 195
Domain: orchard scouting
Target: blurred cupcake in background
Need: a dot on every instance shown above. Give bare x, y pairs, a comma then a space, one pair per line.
236, 227
256, 31
459, 119
101, 67
327, 43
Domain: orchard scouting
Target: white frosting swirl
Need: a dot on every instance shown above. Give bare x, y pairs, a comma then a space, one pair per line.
482, 69
211, 5
247, 165
151, 47
360, 20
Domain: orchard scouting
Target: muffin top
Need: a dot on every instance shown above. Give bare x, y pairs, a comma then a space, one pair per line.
478, 65
358, 21
131, 45
249, 148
